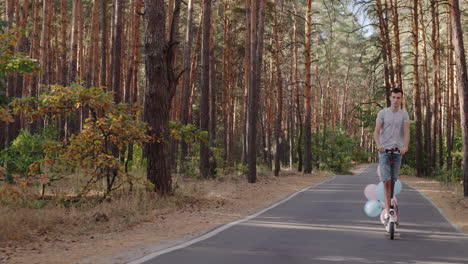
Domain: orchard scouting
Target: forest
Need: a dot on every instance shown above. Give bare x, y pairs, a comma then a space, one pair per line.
99, 96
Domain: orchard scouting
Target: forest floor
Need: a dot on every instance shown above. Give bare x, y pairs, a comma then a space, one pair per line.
215, 202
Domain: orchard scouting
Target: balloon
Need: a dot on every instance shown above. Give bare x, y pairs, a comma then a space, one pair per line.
397, 188
371, 192
372, 208
378, 172
381, 191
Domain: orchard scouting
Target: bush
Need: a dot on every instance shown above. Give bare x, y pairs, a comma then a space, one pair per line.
108, 130
407, 170
24, 151
339, 151
454, 175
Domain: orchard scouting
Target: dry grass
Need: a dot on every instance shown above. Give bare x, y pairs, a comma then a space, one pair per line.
24, 217
133, 221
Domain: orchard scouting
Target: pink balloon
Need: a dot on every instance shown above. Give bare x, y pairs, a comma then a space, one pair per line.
371, 192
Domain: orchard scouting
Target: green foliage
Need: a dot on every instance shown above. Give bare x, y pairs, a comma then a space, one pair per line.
407, 170
409, 159
10, 60
242, 168
454, 175
24, 151
189, 132
366, 114
443, 174
337, 154
94, 151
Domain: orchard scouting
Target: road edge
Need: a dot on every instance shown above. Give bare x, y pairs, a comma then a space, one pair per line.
221, 228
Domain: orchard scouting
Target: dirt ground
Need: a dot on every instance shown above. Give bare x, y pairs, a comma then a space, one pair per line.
225, 201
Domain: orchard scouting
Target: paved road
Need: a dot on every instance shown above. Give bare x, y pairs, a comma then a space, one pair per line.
326, 224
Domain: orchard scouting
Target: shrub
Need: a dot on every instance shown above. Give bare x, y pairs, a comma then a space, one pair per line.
24, 151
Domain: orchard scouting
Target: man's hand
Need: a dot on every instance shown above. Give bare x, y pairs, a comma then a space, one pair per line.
403, 150
381, 149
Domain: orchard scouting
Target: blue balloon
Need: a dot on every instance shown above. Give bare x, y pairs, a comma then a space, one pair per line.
397, 188
372, 208
381, 191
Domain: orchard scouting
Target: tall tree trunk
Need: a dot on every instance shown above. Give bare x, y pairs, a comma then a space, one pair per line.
462, 79
205, 90
307, 91
279, 138
450, 97
435, 79
297, 92
427, 102
93, 71
104, 44
160, 88
417, 94
187, 70
396, 33
384, 42
194, 67
388, 45
116, 49
256, 32
247, 60
22, 46
63, 51
10, 129
76, 20
226, 99
212, 95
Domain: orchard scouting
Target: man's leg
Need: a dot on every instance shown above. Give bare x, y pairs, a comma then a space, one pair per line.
388, 192
386, 173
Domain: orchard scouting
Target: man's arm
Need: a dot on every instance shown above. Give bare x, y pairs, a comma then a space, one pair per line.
378, 127
406, 128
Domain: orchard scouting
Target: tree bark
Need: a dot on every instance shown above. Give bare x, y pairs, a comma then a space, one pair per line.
417, 94
256, 10
384, 42
427, 102
462, 79
160, 88
279, 138
436, 81
187, 69
450, 97
116, 49
247, 68
205, 91
76, 20
307, 91
104, 44
396, 33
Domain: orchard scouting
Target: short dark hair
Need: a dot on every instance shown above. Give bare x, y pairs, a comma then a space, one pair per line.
397, 90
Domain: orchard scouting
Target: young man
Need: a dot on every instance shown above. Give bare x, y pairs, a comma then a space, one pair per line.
392, 136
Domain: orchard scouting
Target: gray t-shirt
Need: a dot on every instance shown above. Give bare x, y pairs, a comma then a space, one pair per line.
392, 134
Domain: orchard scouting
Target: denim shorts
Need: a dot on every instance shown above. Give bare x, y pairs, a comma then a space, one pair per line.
389, 170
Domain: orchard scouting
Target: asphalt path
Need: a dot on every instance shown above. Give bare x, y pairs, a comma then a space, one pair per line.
326, 224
